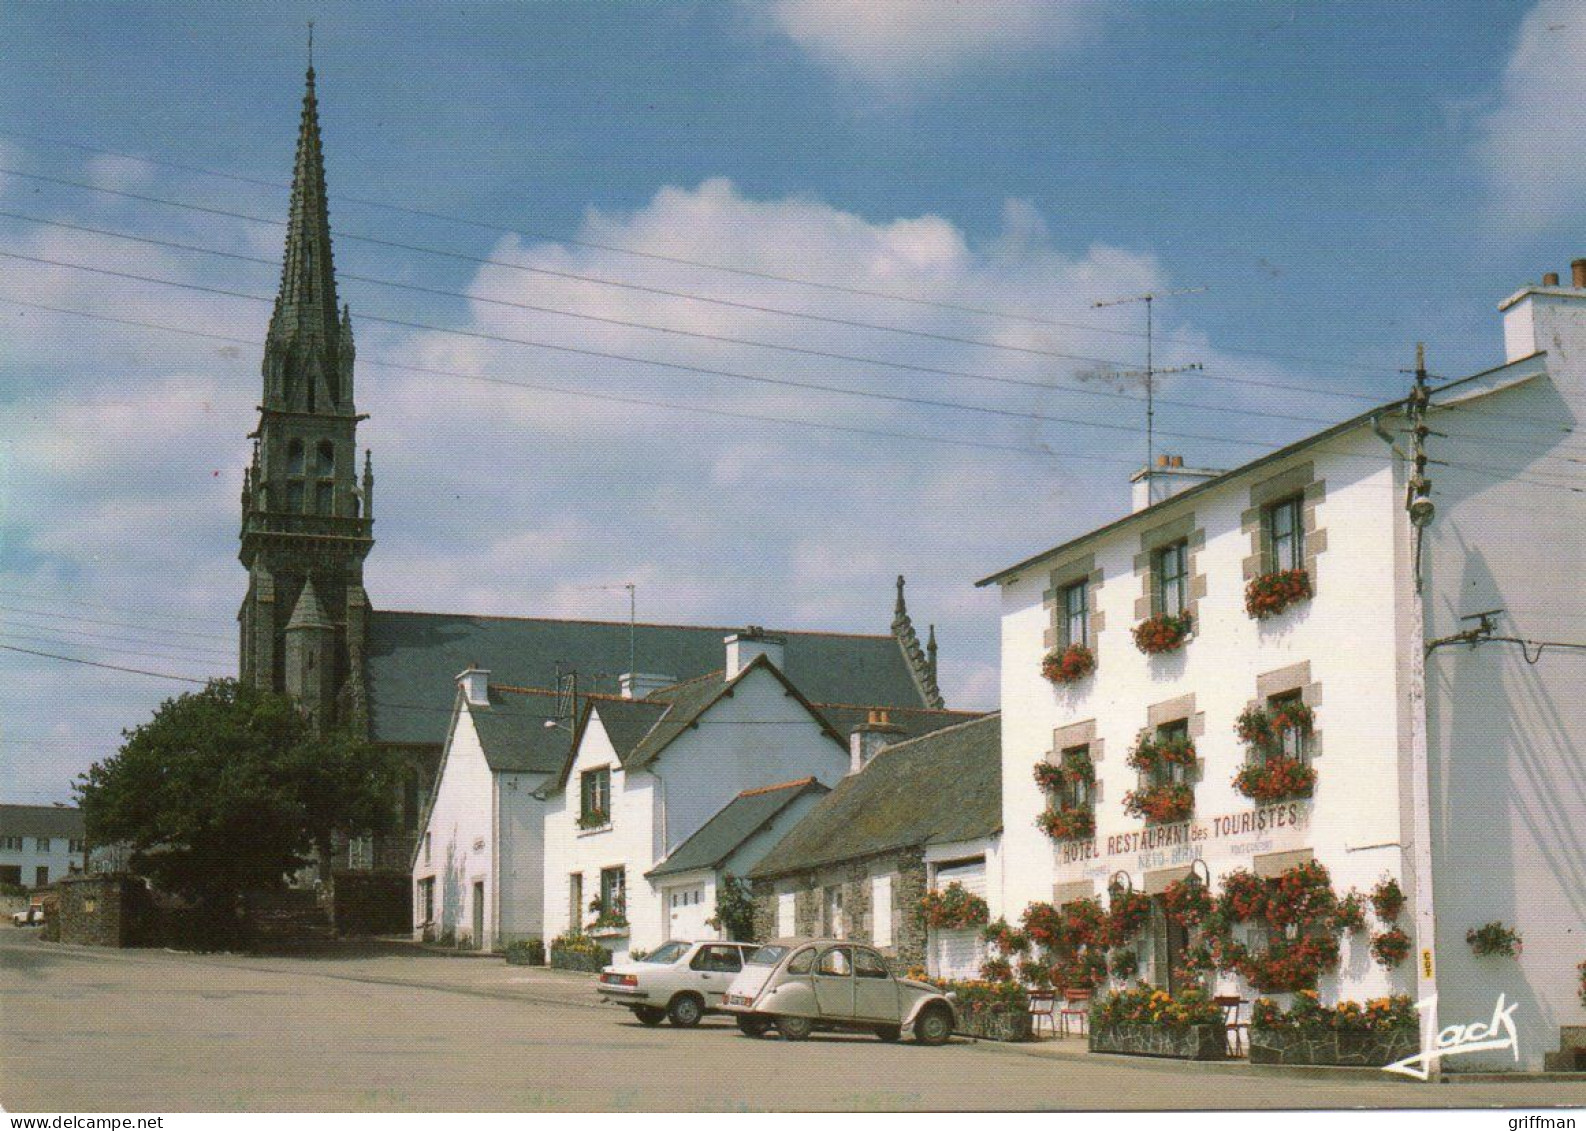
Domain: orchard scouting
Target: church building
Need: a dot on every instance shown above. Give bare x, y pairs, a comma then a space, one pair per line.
307, 626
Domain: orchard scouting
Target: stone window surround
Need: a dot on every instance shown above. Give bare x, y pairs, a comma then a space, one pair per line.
1282, 681
1179, 708
1072, 572
1181, 529
1299, 480
1080, 734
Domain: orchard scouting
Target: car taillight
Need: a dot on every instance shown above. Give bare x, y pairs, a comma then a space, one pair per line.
620, 979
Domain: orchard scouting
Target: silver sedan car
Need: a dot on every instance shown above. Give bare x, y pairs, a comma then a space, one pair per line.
799, 987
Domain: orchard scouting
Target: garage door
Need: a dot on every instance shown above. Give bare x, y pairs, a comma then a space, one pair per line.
686, 913
958, 954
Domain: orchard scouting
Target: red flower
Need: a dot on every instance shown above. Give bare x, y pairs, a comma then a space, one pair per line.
1276, 779
1271, 593
1163, 632
1161, 804
1068, 665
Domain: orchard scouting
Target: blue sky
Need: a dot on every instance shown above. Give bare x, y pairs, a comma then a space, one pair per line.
1343, 179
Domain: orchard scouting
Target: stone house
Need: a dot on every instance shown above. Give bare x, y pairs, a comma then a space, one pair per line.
913, 815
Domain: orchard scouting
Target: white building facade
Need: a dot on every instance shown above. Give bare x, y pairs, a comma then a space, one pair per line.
1456, 774
40, 844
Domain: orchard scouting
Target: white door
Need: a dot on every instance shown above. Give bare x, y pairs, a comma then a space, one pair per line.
957, 954
686, 913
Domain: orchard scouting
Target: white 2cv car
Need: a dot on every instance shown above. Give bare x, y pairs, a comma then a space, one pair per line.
831, 984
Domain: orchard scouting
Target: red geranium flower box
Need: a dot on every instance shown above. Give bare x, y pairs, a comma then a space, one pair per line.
1271, 593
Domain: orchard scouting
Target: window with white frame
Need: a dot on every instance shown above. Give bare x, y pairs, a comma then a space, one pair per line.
595, 798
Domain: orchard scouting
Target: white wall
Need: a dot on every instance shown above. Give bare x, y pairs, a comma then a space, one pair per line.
461, 837
58, 858
1508, 780
520, 861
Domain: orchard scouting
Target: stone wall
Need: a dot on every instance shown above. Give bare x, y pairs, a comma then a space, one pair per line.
854, 876
371, 903
97, 910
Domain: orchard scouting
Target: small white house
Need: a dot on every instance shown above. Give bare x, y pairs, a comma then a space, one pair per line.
646, 775
1434, 649
478, 864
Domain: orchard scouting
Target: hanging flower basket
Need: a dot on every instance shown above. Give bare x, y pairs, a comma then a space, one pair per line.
1160, 804
1151, 753
1495, 938
1276, 779
1124, 964
1187, 901
1289, 965
1350, 914
1048, 777
1066, 666
1271, 593
1266, 729
1005, 938
1067, 823
1390, 948
1163, 633
1128, 912
1387, 900
954, 908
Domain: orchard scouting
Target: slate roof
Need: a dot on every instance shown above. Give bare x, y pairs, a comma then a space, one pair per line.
939, 789
913, 722
726, 832
413, 659
513, 733
42, 820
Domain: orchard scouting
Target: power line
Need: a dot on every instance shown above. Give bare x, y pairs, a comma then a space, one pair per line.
112, 623
617, 283
96, 664
831, 355
730, 269
1496, 473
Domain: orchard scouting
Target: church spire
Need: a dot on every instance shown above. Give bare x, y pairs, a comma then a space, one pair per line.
306, 311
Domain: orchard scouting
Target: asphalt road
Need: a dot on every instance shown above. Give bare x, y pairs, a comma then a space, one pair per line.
380, 1029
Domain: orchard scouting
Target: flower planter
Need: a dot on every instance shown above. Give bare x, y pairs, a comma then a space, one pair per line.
1193, 1042
585, 961
996, 1024
1357, 1050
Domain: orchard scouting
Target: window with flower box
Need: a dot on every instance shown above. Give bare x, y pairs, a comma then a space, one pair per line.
1172, 579
1285, 523
1076, 614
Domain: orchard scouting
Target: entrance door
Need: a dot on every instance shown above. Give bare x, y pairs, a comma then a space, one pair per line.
1164, 947
479, 915
686, 913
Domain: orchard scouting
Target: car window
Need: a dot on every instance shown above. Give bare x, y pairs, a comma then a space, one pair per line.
803, 962
767, 956
666, 954
836, 963
718, 960
869, 964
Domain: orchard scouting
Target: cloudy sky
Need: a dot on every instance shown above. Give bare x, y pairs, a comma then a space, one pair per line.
753, 305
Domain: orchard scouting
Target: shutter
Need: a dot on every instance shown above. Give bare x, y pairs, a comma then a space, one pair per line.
881, 910
786, 923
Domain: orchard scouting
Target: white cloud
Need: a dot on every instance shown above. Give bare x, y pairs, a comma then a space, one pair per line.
901, 45
1532, 143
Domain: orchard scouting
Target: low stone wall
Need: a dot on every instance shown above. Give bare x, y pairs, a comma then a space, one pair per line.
97, 910
995, 1024
579, 960
1195, 1042
371, 903
1358, 1050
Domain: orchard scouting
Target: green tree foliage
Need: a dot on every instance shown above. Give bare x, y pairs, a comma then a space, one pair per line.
229, 789
734, 908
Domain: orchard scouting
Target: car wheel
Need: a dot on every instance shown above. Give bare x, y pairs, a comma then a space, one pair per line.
934, 1026
649, 1014
890, 1032
685, 1011
794, 1028
753, 1026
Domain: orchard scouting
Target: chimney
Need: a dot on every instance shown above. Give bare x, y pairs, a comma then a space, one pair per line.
1542, 318
1166, 479
475, 683
743, 648
869, 738
638, 685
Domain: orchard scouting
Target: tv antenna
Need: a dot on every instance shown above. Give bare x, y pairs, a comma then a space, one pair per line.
1150, 373
633, 618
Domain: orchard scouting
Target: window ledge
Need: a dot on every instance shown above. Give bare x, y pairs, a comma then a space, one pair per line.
596, 831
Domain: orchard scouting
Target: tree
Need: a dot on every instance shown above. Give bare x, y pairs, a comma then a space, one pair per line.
734, 908
229, 789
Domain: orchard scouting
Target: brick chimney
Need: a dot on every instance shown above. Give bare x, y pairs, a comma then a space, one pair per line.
869, 738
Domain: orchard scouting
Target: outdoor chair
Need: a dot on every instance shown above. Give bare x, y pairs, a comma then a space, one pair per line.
1043, 1006
1076, 1006
1234, 1027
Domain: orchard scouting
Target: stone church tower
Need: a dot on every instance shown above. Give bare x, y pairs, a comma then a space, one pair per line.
307, 521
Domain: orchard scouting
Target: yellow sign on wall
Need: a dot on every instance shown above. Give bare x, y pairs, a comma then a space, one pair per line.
1426, 963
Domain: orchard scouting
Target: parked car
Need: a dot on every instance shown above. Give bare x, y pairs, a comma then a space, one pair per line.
799, 987
30, 916
678, 981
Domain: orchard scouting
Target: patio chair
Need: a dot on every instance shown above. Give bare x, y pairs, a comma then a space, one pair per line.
1076, 1006
1043, 1006
1234, 1026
